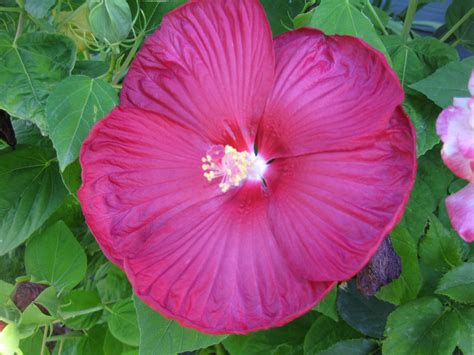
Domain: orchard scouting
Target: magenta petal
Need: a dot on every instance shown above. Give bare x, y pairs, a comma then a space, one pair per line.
210, 67
139, 170
331, 210
328, 90
217, 268
461, 212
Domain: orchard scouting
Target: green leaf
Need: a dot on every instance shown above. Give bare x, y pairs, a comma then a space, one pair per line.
153, 11
72, 109
407, 286
10, 340
281, 12
366, 314
345, 17
6, 290
123, 323
458, 284
30, 69
421, 327
419, 58
111, 283
30, 191
435, 174
282, 340
37, 8
423, 114
91, 68
447, 82
112, 346
328, 305
110, 20
158, 334
455, 12
325, 332
466, 334
440, 249
81, 309
32, 344
57, 257
353, 347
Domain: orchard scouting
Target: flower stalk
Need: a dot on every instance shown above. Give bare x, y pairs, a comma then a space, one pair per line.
412, 6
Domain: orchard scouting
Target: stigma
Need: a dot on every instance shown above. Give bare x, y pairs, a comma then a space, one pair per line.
231, 166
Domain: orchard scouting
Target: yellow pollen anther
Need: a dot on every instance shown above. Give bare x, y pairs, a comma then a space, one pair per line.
231, 166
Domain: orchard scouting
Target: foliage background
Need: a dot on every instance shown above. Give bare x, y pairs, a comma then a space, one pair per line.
61, 65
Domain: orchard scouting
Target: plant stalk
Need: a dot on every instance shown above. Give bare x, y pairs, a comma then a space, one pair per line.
457, 25
19, 28
409, 19
377, 18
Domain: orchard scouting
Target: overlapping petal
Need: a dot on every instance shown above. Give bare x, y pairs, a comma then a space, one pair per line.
217, 267
209, 66
329, 211
139, 170
461, 212
328, 91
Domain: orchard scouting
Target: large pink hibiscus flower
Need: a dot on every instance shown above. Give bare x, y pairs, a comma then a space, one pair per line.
242, 176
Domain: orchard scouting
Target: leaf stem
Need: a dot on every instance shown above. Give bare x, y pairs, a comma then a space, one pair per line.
409, 19
19, 28
457, 25
10, 9
377, 18
128, 60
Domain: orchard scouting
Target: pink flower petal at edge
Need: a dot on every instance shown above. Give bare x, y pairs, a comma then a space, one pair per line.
220, 270
461, 212
328, 91
197, 69
196, 255
139, 170
330, 211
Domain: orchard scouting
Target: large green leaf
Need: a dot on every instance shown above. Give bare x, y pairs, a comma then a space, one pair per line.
81, 309
30, 191
366, 314
167, 337
327, 306
325, 332
352, 347
29, 70
466, 334
441, 249
458, 284
423, 114
345, 17
123, 323
37, 8
419, 58
71, 111
57, 257
407, 286
447, 82
110, 20
282, 340
419, 208
456, 11
421, 327
281, 12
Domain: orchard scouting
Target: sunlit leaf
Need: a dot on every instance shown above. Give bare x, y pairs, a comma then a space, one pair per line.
30, 191
30, 69
71, 111
57, 257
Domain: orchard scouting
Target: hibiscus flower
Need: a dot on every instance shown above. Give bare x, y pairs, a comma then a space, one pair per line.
455, 126
242, 176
